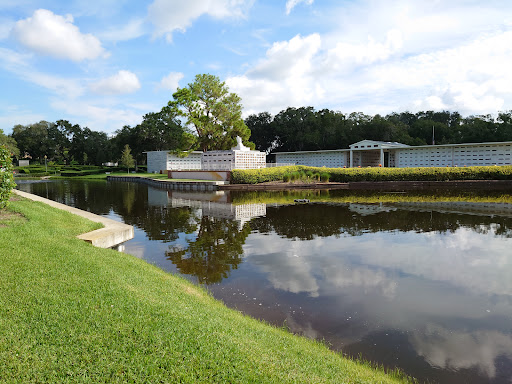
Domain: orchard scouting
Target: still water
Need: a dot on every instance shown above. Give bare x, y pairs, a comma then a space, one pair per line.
419, 282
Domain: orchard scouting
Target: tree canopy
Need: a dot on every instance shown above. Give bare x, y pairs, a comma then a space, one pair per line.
214, 113
10, 144
305, 129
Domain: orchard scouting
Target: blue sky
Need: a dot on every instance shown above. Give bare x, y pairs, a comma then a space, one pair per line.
105, 64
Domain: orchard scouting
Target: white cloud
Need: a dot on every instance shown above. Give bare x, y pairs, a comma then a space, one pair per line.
120, 83
171, 81
170, 16
57, 36
18, 64
380, 75
129, 31
100, 118
447, 349
286, 77
290, 4
6, 26
12, 114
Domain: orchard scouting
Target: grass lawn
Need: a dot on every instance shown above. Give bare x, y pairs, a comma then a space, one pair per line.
70, 312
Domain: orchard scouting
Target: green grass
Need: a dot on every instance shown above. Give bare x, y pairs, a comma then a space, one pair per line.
70, 312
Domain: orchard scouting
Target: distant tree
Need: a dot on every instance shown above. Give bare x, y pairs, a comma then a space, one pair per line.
10, 144
33, 139
127, 158
262, 132
214, 113
163, 131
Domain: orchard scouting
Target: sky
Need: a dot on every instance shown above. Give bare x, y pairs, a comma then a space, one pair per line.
105, 64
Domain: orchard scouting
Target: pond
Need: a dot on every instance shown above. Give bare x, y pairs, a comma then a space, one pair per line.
422, 282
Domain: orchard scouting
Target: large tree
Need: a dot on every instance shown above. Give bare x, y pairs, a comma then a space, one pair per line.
214, 113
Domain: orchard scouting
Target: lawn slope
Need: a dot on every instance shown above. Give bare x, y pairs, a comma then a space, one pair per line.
70, 312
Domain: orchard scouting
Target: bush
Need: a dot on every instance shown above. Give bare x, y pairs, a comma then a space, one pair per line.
72, 173
6, 176
286, 177
255, 176
345, 175
324, 176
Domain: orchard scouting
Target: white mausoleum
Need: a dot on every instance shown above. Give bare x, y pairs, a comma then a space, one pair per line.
239, 157
164, 161
369, 153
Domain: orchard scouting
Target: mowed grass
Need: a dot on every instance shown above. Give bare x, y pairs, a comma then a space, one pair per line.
70, 312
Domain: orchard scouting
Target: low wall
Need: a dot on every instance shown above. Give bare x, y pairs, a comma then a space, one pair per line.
169, 184
200, 175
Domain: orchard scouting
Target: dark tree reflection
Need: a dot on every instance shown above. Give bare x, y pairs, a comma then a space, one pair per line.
217, 249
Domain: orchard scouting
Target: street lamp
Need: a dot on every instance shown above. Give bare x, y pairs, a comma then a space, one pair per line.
46, 166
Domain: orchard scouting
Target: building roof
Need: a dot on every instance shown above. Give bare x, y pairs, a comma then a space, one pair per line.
373, 144
370, 145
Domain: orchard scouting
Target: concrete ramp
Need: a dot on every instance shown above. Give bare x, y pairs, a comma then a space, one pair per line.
112, 234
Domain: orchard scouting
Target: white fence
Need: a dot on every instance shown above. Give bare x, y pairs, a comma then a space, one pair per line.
219, 167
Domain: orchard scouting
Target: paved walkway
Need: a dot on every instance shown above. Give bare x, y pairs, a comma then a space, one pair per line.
112, 234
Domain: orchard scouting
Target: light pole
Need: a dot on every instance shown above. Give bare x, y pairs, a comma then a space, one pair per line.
46, 166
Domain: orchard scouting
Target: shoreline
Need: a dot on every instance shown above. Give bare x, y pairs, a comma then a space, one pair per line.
394, 186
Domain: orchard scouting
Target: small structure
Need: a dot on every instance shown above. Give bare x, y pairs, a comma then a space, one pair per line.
369, 153
23, 163
239, 157
165, 161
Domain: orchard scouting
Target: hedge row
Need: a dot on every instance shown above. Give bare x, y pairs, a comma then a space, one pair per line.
344, 175
263, 175
84, 172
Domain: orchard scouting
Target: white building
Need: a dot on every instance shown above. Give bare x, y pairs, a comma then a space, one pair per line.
239, 157
369, 153
164, 161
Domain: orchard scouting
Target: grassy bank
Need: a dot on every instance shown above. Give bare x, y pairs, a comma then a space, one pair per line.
344, 175
70, 312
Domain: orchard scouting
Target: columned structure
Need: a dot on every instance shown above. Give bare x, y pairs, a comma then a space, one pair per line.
369, 153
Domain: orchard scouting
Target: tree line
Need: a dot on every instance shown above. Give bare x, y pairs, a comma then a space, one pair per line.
306, 129
206, 116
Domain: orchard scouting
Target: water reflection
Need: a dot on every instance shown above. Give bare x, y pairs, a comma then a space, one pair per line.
213, 252
407, 281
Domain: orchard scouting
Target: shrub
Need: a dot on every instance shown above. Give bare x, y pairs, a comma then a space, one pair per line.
295, 176
72, 173
324, 176
6, 176
344, 175
286, 177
